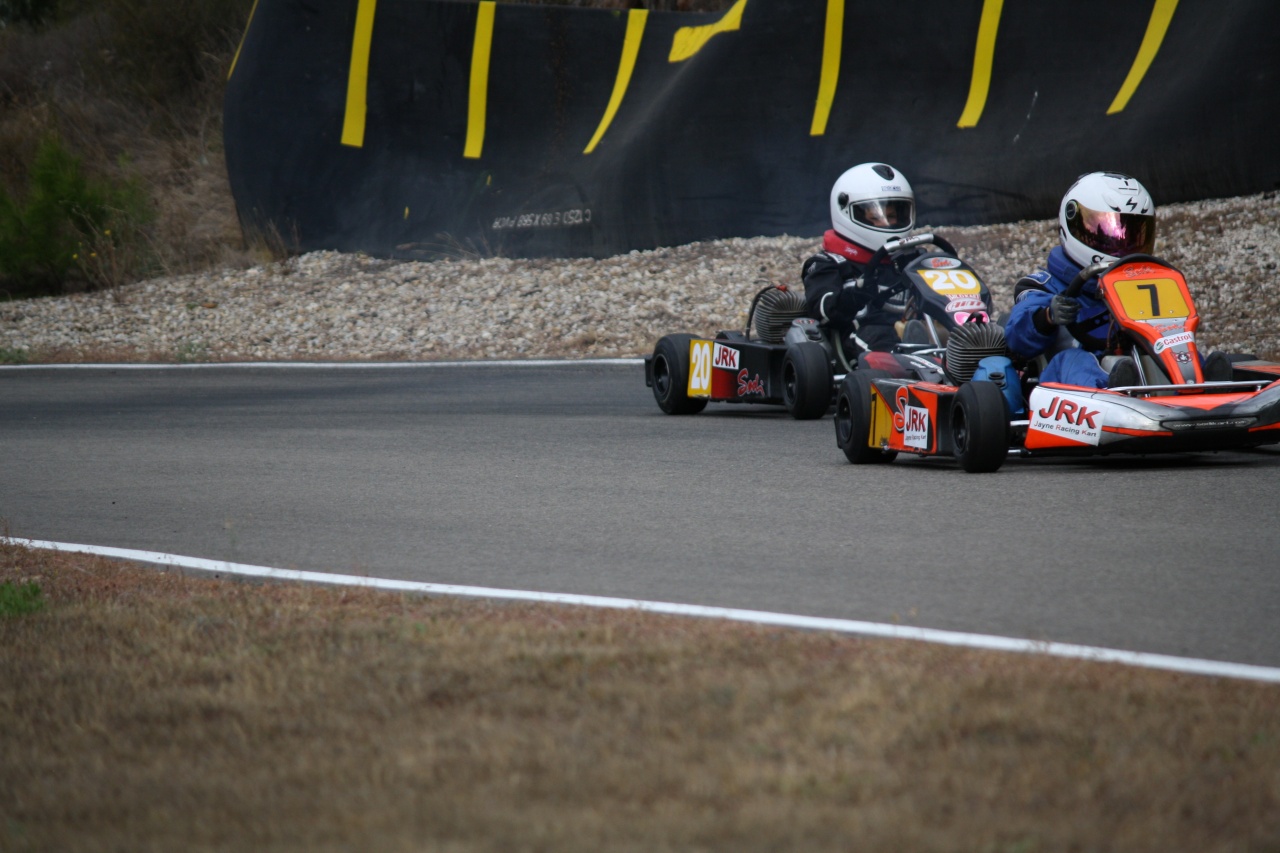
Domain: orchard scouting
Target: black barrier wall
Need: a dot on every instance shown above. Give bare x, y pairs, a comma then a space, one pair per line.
418, 127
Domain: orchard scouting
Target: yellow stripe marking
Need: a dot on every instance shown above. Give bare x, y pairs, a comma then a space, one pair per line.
831, 45
630, 48
983, 52
358, 77
689, 40
243, 36
1161, 15
479, 80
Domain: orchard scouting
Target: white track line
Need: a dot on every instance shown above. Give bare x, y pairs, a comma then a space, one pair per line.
329, 365
846, 626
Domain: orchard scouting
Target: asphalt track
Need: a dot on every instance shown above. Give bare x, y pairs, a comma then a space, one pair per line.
568, 479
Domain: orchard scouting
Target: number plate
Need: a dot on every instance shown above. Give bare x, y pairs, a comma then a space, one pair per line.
700, 368
948, 282
1152, 299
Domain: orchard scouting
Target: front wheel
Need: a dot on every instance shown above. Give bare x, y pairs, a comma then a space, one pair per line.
806, 381
853, 418
671, 376
980, 427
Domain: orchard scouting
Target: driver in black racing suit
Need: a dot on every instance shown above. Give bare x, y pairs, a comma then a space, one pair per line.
870, 204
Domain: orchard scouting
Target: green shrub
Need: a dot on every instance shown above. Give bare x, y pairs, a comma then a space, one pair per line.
19, 599
70, 226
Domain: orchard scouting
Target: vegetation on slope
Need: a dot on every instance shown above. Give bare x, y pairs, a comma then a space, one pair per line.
111, 163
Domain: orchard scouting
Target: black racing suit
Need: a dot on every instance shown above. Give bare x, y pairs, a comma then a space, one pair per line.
861, 327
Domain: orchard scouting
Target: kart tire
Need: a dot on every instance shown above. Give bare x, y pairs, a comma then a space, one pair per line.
980, 427
806, 381
853, 418
671, 376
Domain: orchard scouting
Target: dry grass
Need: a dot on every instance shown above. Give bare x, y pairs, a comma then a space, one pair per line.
145, 710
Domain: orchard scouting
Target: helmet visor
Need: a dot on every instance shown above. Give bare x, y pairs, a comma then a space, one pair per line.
886, 214
1112, 233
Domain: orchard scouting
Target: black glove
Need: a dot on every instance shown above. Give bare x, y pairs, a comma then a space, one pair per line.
849, 301
1063, 310
870, 281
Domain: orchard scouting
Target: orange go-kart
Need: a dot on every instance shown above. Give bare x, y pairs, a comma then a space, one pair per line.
998, 411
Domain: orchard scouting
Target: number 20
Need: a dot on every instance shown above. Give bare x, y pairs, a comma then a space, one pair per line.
699, 368
945, 281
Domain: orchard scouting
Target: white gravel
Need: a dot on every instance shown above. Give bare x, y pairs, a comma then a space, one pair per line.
341, 307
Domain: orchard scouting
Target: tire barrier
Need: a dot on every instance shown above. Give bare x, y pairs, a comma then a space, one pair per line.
426, 128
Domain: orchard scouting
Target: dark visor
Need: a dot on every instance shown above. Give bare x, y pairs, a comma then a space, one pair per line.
1115, 234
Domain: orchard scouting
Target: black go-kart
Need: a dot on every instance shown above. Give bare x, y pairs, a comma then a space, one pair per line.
785, 358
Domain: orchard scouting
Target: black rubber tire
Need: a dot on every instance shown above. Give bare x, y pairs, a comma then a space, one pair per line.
853, 418
671, 376
980, 427
806, 381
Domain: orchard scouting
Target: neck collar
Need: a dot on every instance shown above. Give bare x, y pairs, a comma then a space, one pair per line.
837, 245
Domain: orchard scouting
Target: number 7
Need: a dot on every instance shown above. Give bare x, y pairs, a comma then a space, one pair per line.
1155, 298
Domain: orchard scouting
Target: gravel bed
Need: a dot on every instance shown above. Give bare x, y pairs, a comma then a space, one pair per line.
340, 307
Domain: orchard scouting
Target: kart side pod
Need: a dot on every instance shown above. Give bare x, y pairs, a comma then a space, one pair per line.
878, 416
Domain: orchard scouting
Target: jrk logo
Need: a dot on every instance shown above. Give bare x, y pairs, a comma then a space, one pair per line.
917, 420
1060, 409
911, 421
725, 357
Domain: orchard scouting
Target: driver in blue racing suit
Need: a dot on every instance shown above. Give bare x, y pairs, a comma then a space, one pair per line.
1103, 216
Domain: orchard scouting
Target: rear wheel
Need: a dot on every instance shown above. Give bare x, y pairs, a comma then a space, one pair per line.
671, 376
806, 381
980, 427
853, 418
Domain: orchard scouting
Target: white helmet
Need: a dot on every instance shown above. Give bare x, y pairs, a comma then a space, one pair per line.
1105, 216
871, 203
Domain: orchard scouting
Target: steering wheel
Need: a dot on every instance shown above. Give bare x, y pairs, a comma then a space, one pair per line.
1077, 283
894, 249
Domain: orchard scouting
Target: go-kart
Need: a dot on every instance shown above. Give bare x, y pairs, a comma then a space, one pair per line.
794, 362
1000, 411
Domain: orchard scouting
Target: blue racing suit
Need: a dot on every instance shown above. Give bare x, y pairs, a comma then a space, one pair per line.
1073, 349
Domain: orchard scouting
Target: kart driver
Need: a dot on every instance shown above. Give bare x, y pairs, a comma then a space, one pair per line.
1102, 217
870, 204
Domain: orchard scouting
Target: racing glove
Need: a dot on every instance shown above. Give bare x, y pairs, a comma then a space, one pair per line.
1063, 310
848, 301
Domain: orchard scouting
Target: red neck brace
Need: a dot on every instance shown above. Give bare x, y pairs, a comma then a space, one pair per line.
837, 245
